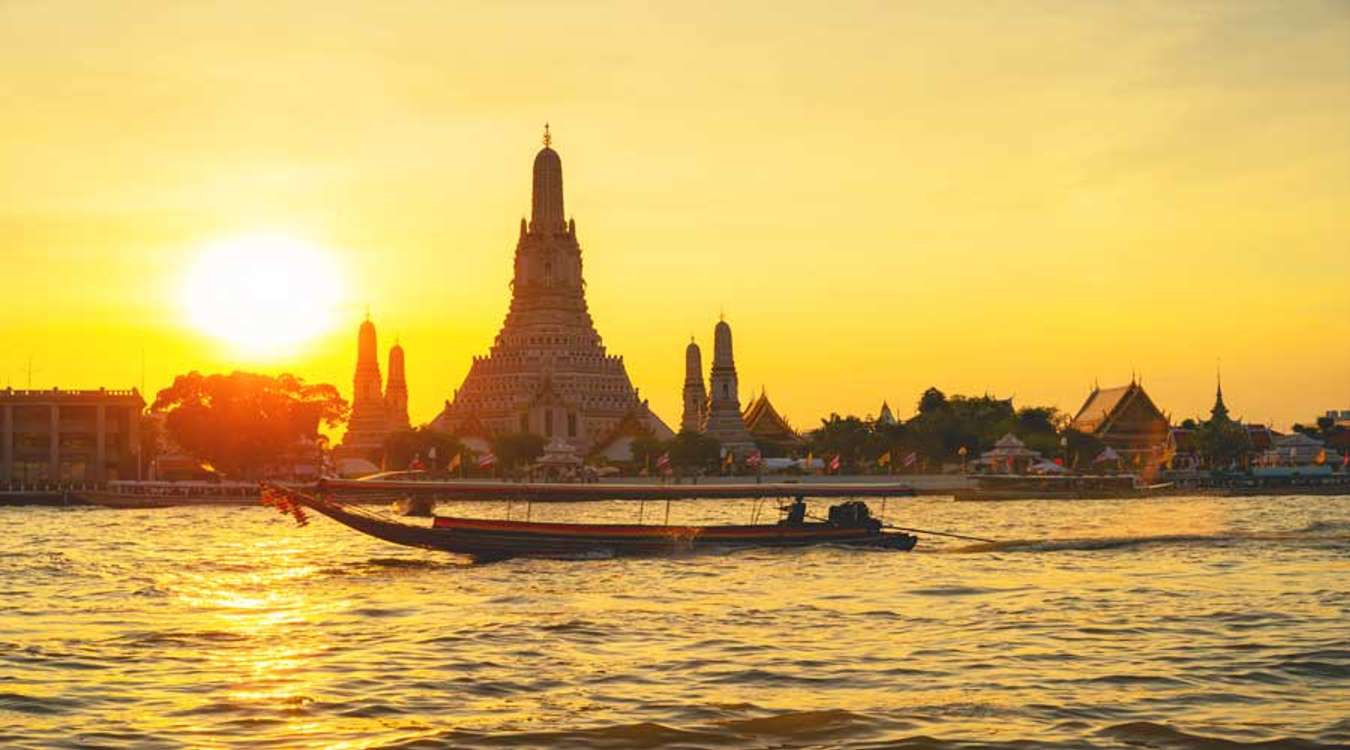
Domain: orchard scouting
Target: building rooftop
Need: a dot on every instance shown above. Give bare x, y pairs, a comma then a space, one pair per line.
57, 394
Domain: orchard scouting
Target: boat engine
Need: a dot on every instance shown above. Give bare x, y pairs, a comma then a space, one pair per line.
853, 513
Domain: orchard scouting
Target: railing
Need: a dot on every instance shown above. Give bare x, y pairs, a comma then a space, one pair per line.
43, 487
52, 393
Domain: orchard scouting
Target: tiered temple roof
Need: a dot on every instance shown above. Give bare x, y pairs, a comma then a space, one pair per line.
767, 426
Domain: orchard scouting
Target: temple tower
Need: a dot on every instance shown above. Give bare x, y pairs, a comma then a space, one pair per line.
547, 372
695, 396
1219, 412
396, 392
724, 404
368, 425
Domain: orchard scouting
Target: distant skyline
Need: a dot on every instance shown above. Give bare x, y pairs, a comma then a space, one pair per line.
1018, 198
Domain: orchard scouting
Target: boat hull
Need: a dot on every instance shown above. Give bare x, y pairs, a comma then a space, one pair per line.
495, 540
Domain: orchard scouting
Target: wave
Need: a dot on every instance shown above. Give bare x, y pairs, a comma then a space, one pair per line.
1148, 734
1307, 536
838, 728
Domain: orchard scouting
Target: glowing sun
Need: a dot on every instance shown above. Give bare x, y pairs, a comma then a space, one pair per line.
262, 293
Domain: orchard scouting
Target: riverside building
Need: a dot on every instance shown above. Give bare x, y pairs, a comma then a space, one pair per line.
69, 436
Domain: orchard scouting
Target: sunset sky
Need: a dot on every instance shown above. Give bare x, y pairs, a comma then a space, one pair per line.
1016, 198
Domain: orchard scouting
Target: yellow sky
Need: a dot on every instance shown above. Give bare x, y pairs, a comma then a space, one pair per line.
1014, 197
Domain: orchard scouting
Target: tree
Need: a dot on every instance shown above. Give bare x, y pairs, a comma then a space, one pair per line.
1223, 443
694, 452
851, 438
932, 401
517, 449
401, 448
645, 449
1038, 427
1083, 448
242, 422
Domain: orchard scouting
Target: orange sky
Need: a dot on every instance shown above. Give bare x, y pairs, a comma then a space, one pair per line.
1013, 197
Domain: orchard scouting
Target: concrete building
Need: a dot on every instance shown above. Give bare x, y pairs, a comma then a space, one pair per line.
69, 436
547, 372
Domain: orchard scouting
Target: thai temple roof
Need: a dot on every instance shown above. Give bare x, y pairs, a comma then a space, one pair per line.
1100, 405
763, 421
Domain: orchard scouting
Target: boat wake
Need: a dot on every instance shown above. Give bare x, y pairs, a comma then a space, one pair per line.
1316, 535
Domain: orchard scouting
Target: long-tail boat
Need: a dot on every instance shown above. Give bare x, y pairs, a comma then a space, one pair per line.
850, 524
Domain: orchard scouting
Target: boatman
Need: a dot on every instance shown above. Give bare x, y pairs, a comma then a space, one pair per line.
796, 512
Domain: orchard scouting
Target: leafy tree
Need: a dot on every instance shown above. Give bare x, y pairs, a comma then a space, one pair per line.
1223, 443
645, 449
242, 422
1083, 448
401, 448
932, 401
694, 452
853, 439
518, 449
1038, 427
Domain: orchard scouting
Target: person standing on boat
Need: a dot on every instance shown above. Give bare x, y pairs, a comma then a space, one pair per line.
796, 512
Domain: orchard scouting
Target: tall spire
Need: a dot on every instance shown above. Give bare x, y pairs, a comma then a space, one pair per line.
547, 201
367, 427
396, 391
695, 397
1220, 410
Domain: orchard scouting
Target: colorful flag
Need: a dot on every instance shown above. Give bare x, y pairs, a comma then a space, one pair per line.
663, 461
487, 460
1321, 456
835, 463
454, 463
911, 458
884, 459
754, 459
728, 460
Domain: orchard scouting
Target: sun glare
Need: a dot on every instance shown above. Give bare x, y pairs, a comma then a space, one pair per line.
262, 294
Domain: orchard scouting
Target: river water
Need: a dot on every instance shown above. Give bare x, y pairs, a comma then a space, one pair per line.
1177, 623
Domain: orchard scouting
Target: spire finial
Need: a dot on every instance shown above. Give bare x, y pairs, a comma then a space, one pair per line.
548, 138
367, 312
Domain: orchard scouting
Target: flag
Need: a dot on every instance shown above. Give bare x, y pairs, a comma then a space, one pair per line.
487, 461
1321, 456
835, 463
454, 463
911, 458
884, 459
753, 459
663, 461
729, 459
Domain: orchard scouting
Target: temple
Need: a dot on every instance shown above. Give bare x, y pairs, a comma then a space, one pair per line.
547, 371
396, 392
377, 409
724, 421
771, 431
695, 395
1127, 420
